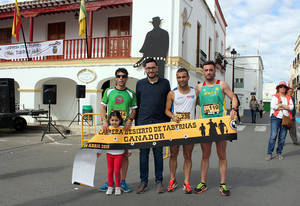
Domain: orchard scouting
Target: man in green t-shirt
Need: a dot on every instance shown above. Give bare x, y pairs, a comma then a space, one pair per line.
122, 99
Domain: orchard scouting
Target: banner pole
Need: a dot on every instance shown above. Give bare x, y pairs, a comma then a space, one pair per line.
29, 59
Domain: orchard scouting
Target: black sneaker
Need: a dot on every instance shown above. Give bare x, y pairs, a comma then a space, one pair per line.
201, 187
223, 190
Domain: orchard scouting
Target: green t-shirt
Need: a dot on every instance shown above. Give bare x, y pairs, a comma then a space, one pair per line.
120, 100
212, 101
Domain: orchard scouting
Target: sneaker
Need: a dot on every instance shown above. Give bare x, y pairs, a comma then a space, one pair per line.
223, 190
142, 188
187, 188
118, 191
109, 190
159, 187
200, 188
268, 157
172, 185
279, 156
103, 188
125, 187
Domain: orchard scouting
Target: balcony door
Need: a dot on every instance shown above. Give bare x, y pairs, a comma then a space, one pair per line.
56, 31
118, 27
5, 36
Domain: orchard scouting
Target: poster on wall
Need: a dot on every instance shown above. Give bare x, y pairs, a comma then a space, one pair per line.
35, 50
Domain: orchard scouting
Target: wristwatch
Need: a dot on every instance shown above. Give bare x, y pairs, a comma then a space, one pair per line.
235, 109
130, 118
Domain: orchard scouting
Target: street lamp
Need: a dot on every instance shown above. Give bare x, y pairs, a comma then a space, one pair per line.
233, 56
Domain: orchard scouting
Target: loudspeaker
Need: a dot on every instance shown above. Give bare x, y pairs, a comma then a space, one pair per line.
7, 95
80, 91
49, 94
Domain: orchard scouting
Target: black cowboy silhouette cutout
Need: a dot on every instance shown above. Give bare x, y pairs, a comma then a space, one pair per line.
212, 128
156, 45
222, 126
202, 129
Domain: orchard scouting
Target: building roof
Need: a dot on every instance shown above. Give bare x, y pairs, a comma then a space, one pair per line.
48, 6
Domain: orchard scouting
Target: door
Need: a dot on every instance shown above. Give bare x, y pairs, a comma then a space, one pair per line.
118, 45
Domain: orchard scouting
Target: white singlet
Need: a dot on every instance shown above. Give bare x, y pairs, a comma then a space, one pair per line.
184, 104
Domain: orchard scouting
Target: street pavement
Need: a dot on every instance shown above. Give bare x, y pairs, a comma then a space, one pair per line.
39, 173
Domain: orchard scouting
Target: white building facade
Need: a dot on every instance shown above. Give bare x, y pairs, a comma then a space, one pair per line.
295, 71
248, 80
116, 32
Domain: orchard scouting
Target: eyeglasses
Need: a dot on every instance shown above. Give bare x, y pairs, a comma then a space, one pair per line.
281, 86
121, 75
148, 68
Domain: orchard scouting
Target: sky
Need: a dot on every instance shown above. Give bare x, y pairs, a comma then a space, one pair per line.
268, 26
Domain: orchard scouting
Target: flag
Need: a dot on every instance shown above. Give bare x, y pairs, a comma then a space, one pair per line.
16, 22
82, 19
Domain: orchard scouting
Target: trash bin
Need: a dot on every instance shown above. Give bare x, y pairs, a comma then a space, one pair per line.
87, 109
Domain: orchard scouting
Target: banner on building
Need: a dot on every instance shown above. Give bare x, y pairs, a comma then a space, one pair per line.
39, 49
166, 134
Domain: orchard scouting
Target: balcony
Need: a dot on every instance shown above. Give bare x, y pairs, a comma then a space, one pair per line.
74, 49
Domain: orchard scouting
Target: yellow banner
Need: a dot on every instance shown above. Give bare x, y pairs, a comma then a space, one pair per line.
166, 134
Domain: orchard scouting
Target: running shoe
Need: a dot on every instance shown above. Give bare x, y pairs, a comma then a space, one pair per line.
223, 190
109, 190
125, 187
172, 185
187, 188
200, 188
103, 188
118, 191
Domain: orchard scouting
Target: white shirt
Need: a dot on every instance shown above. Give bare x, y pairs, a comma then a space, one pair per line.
184, 104
274, 106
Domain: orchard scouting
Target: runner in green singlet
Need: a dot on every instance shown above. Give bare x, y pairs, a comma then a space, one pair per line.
212, 104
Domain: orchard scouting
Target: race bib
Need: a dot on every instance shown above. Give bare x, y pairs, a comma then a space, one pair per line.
123, 114
210, 109
183, 115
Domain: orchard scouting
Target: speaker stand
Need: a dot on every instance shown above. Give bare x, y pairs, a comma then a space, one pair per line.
49, 125
78, 115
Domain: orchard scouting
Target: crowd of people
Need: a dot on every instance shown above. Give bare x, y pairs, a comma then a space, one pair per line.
154, 102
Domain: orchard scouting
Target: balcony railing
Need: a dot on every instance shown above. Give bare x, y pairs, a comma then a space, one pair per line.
101, 47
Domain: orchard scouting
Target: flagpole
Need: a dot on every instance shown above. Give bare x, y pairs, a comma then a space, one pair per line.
29, 59
86, 41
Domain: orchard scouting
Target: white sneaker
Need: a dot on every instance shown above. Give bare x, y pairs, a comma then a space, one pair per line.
109, 191
117, 190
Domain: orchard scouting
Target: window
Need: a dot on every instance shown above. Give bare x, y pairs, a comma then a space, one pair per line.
56, 31
198, 45
5, 36
239, 83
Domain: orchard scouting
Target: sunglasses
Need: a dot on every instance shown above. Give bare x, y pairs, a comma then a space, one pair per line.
281, 86
121, 75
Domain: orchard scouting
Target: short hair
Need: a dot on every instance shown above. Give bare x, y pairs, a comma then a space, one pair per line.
149, 60
209, 63
117, 114
123, 70
182, 69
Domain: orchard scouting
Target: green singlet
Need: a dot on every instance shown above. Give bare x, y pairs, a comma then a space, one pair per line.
120, 100
212, 101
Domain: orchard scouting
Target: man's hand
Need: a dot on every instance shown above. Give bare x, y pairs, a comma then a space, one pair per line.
105, 126
128, 125
175, 119
233, 114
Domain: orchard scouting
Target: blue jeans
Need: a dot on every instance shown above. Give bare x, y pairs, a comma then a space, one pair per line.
253, 115
158, 163
275, 128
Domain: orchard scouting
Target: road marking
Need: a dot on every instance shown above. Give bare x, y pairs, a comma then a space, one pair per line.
241, 128
260, 128
3, 140
57, 143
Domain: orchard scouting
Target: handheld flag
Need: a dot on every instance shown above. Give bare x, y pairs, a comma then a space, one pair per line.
17, 23
82, 19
